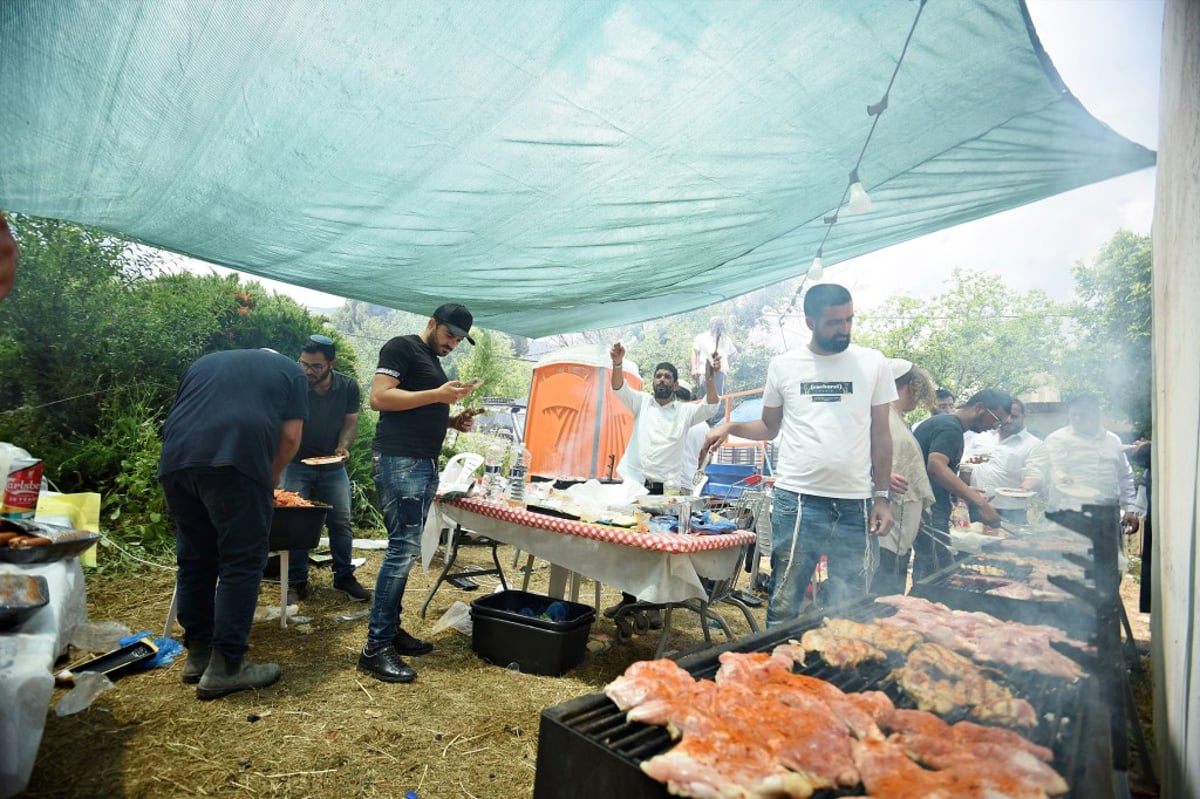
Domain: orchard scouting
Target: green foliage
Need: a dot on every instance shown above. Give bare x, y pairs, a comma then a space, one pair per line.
492, 360
1113, 312
977, 334
125, 450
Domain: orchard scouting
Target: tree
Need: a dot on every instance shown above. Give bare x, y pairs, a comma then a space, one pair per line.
977, 334
1113, 312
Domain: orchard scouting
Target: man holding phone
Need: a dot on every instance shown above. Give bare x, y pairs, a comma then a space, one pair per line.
413, 396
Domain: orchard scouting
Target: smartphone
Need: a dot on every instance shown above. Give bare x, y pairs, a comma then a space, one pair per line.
476, 383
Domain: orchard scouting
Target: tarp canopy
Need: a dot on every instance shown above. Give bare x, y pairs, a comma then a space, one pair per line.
555, 165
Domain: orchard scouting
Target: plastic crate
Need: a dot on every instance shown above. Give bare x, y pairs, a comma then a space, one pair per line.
723, 480
500, 633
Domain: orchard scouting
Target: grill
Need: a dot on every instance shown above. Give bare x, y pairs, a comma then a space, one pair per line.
587, 749
960, 587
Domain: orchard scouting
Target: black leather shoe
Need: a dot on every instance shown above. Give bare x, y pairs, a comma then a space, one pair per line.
409, 645
386, 665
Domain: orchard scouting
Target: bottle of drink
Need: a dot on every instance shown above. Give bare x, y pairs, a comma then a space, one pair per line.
518, 470
493, 463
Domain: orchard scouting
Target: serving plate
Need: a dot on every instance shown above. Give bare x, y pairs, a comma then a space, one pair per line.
323, 460
1014, 493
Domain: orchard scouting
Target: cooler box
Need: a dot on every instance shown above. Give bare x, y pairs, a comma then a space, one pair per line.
722, 478
503, 634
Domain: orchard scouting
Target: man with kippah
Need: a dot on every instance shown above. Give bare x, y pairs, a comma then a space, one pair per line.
413, 396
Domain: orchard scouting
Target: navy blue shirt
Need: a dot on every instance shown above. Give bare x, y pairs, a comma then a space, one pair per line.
417, 432
229, 411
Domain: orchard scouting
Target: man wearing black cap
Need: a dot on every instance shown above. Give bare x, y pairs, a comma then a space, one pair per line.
413, 396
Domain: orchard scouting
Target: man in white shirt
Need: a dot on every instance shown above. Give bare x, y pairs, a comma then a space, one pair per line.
1087, 464
713, 340
830, 402
1011, 458
660, 427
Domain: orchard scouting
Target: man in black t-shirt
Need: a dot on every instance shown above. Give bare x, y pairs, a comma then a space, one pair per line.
332, 426
414, 397
941, 440
236, 422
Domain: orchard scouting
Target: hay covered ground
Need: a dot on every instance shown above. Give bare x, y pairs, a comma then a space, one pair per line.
465, 728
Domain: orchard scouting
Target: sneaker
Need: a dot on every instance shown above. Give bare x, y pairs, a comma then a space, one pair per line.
407, 644
350, 586
386, 665
197, 661
227, 676
612, 611
296, 592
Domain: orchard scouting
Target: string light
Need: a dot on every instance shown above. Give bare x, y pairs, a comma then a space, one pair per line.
817, 270
860, 201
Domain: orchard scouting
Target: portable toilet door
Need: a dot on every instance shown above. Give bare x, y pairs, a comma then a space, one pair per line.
575, 427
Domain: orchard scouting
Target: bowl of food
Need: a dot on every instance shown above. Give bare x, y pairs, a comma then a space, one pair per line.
297, 522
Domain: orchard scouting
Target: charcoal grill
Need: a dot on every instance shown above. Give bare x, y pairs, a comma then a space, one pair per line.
586, 748
1070, 614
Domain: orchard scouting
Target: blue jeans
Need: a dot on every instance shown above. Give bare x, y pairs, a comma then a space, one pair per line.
222, 525
406, 489
331, 486
835, 528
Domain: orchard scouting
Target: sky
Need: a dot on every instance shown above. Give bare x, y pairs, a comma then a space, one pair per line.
1108, 53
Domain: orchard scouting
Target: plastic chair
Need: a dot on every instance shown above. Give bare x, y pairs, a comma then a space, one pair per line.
455, 540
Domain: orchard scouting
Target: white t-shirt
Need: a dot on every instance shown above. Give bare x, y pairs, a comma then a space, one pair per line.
825, 436
1010, 462
703, 346
655, 450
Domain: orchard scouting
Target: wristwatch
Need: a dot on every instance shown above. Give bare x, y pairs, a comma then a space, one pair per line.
881, 495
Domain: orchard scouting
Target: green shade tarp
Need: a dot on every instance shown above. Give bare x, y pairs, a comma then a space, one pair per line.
555, 166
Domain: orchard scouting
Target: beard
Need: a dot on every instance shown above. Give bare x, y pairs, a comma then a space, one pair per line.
833, 344
663, 392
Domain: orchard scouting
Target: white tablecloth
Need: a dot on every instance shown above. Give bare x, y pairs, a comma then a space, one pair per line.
653, 568
27, 655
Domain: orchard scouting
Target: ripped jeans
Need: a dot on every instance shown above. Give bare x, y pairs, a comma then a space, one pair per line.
406, 489
803, 528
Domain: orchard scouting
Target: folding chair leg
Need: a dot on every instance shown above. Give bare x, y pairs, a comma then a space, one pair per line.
172, 611
283, 586
528, 573
449, 564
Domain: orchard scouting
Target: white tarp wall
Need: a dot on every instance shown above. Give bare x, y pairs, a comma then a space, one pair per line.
1177, 405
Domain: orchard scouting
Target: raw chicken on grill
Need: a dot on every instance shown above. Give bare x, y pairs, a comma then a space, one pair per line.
887, 638
984, 637
761, 730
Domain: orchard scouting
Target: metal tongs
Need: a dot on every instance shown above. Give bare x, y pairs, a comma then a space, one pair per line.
700, 478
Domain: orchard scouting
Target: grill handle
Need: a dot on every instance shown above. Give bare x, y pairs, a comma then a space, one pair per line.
1081, 561
1076, 588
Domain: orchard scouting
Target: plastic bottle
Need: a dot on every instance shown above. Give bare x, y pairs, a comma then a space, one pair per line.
518, 470
493, 464
671, 487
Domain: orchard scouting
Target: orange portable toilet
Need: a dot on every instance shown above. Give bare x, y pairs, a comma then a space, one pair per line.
575, 427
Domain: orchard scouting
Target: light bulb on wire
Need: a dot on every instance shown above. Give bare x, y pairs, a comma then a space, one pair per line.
817, 270
860, 201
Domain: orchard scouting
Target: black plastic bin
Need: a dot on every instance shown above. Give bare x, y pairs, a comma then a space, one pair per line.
500, 633
297, 527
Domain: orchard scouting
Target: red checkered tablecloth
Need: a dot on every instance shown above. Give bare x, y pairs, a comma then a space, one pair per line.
671, 544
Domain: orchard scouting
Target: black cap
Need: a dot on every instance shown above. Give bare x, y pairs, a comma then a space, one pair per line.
457, 318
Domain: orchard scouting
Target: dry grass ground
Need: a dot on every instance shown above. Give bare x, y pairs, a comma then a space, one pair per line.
463, 729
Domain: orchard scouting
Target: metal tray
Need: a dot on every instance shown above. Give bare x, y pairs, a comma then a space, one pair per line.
54, 551
16, 610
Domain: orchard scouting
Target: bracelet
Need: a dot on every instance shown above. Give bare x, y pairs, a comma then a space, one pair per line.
617, 365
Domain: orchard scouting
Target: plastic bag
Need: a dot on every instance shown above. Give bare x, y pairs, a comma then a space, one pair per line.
88, 686
458, 617
100, 636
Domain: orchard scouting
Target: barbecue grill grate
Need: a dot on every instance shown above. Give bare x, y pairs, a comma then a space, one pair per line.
587, 749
